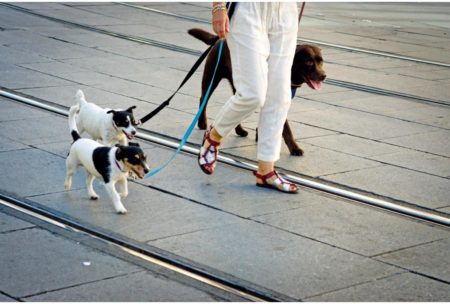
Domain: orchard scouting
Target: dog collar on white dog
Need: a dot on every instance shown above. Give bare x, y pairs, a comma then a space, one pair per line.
114, 126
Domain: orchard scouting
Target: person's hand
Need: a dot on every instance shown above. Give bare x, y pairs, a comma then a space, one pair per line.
220, 21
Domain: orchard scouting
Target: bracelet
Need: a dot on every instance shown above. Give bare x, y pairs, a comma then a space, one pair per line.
219, 7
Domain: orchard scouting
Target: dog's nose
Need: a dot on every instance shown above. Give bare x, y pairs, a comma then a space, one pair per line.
146, 170
133, 132
322, 78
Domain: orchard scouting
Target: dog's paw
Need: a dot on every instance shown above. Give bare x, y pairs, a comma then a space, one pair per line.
296, 151
94, 197
121, 210
202, 125
67, 187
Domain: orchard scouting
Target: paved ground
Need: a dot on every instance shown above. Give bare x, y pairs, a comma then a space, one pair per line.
309, 246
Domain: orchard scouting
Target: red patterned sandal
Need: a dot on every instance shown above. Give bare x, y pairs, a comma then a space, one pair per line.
207, 157
279, 183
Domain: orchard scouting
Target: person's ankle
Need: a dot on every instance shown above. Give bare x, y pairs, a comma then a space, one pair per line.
215, 136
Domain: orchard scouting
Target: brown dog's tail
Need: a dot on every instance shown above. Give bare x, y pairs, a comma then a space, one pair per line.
203, 35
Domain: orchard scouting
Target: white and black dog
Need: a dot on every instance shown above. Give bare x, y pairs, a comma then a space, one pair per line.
110, 164
108, 126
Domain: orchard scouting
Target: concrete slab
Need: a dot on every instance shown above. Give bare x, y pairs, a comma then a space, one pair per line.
152, 214
65, 96
415, 187
4, 298
25, 265
36, 131
353, 227
136, 287
315, 162
404, 287
33, 172
318, 268
23, 78
55, 49
9, 223
362, 124
14, 111
353, 145
431, 142
429, 259
6, 144
15, 56
419, 161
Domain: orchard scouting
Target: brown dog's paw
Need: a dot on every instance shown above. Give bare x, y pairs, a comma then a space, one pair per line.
241, 131
202, 125
297, 151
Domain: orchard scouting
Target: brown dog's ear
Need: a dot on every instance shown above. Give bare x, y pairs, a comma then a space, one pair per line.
111, 111
130, 109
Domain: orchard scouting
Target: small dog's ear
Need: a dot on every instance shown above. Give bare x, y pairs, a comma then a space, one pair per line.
111, 111
130, 109
119, 152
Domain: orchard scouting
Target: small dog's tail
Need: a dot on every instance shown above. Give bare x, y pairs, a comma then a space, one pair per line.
72, 122
203, 35
80, 98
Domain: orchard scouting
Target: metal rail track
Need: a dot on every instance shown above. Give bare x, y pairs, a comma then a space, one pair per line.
153, 255
392, 205
176, 48
332, 45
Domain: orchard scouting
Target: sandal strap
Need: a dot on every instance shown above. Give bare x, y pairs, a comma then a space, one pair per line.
265, 176
277, 182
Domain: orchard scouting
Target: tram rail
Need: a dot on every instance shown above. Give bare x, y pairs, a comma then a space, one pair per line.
180, 49
392, 205
318, 42
147, 253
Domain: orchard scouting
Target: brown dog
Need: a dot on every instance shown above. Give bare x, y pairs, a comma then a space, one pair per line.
307, 67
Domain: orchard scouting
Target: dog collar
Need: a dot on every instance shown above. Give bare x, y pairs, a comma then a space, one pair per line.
118, 166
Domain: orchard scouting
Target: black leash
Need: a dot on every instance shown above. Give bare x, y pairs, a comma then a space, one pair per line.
230, 8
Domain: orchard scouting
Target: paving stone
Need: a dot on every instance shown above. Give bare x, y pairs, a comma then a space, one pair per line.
315, 162
55, 49
353, 227
424, 162
37, 130
213, 191
14, 110
431, 142
151, 214
7, 144
41, 275
138, 287
65, 96
429, 259
20, 79
353, 145
318, 267
4, 298
9, 223
14, 56
33, 172
404, 287
361, 124
410, 186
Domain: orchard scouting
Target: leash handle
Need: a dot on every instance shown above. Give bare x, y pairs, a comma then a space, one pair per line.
196, 118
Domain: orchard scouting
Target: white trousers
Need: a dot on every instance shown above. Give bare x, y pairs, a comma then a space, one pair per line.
262, 42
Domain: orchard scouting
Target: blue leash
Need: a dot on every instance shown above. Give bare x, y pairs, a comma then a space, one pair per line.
194, 122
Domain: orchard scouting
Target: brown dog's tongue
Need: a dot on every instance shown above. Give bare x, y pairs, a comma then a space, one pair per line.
317, 85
